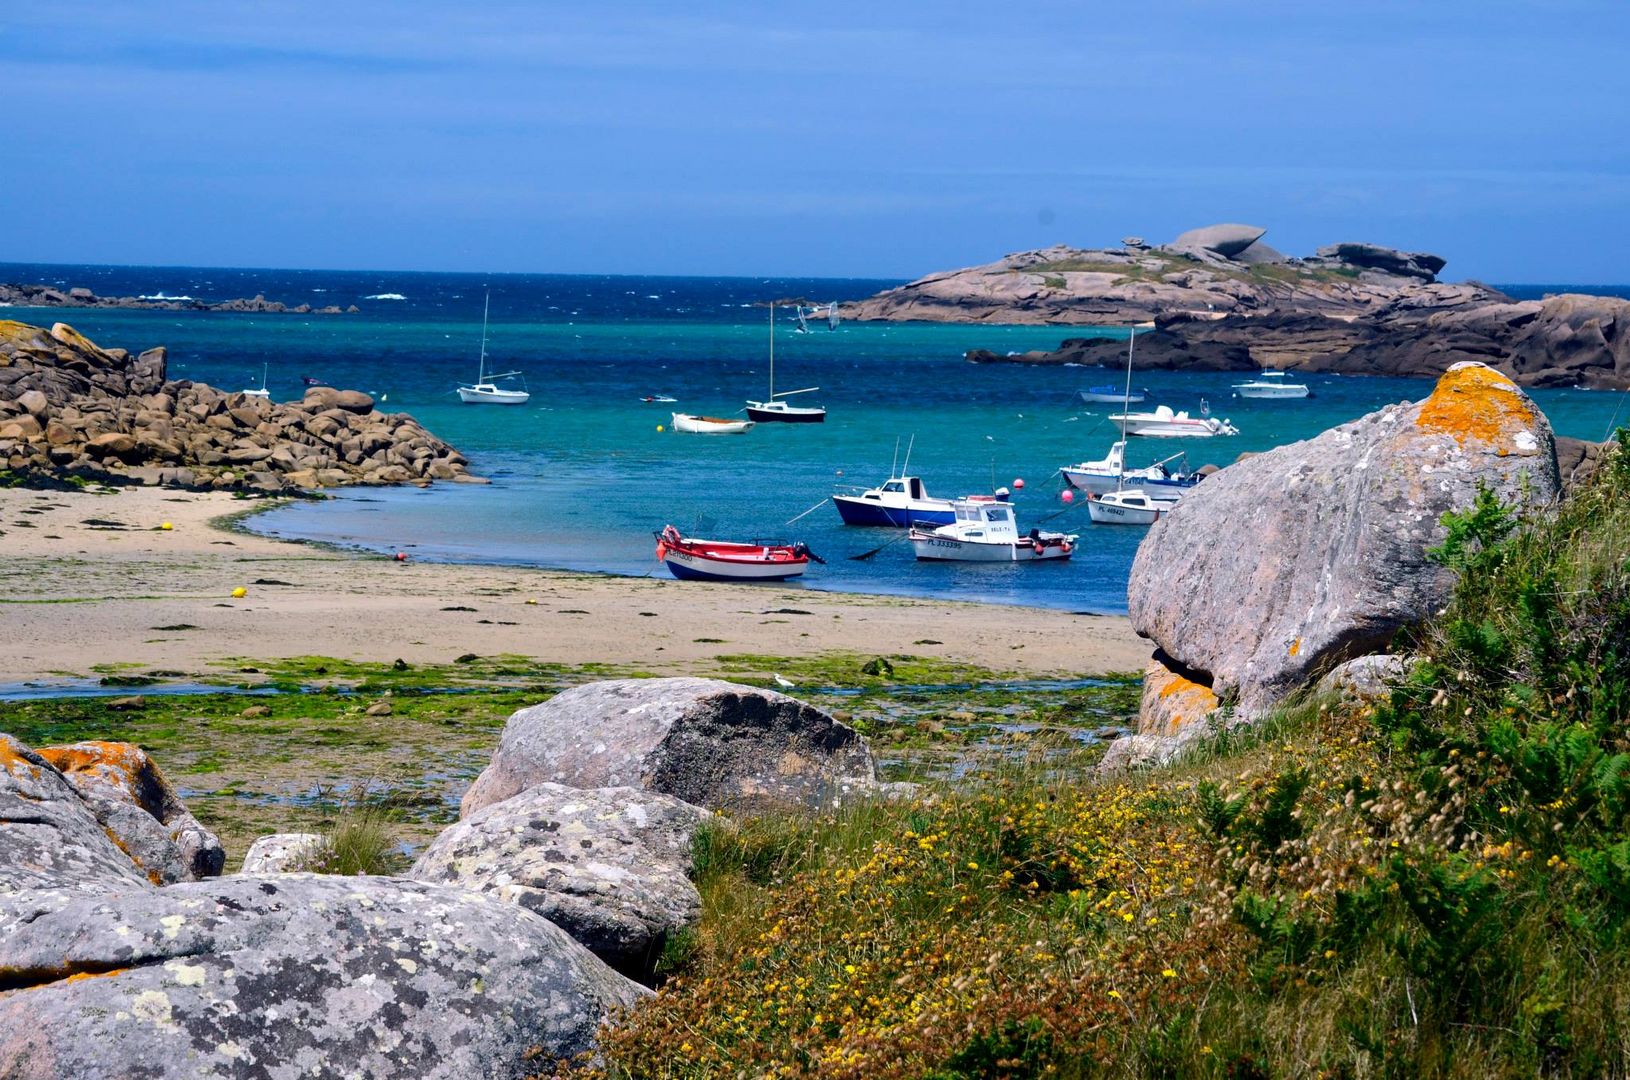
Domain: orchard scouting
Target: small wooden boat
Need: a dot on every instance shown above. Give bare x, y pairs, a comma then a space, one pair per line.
984, 531
723, 560
710, 425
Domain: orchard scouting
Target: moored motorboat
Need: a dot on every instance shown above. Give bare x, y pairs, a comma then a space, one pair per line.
898, 502
710, 425
662, 398
1099, 477
1164, 423
1272, 384
1129, 506
1110, 395
725, 560
985, 531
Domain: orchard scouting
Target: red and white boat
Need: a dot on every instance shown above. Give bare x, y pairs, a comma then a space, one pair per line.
723, 560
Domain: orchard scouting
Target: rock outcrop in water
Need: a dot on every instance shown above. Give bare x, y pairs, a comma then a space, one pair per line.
1208, 272
51, 296
69, 408
1570, 340
1285, 564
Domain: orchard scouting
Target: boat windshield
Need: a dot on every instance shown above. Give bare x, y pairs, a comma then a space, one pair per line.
997, 513
894, 485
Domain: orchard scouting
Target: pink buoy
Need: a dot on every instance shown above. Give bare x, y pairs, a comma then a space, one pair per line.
1018, 484
1067, 496
401, 556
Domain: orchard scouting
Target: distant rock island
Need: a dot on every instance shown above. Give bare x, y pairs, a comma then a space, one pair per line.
1219, 299
51, 296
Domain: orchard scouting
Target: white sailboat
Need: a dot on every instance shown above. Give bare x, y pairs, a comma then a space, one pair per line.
261, 391
773, 410
1127, 506
485, 389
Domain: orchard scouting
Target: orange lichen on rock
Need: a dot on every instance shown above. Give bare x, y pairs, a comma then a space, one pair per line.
1296, 646
1473, 401
126, 761
1172, 702
12, 761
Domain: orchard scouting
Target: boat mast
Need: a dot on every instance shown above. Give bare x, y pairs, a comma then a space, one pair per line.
772, 352
486, 305
1126, 408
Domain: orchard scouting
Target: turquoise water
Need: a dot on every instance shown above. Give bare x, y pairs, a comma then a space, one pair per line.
582, 477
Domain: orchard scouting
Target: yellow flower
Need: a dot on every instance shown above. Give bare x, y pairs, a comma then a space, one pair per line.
1169, 973
1116, 994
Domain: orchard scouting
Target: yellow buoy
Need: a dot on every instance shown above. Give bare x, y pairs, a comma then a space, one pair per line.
659, 427
166, 526
239, 593
532, 601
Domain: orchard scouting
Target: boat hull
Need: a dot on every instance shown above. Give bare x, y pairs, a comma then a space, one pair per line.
932, 548
688, 566
501, 397
710, 425
786, 416
1095, 397
1109, 512
1100, 483
1271, 393
858, 511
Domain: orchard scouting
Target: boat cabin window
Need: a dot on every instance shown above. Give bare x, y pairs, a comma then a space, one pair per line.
894, 485
998, 513
967, 513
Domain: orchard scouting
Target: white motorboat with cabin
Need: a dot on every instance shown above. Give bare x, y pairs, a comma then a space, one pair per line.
985, 531
710, 425
485, 390
1101, 477
1164, 423
899, 502
1272, 385
774, 410
1129, 506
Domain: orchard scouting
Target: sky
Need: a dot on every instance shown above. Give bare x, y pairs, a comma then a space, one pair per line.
831, 139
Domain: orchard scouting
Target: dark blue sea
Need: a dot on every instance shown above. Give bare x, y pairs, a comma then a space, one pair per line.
582, 475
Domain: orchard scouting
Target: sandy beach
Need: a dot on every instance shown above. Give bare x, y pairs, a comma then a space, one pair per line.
90, 582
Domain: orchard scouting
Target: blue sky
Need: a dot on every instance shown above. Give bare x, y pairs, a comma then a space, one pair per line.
822, 139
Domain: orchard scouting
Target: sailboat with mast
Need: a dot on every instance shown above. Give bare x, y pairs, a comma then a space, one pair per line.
1124, 505
772, 409
485, 390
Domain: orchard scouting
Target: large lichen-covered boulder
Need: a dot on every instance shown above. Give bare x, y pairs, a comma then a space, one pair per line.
49, 838
299, 975
1287, 563
708, 742
141, 811
610, 866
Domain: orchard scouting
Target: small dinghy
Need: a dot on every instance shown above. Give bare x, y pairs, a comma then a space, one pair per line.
985, 531
1111, 395
723, 560
710, 425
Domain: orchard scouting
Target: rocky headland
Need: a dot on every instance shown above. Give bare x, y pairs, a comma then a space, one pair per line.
1219, 299
71, 409
12, 294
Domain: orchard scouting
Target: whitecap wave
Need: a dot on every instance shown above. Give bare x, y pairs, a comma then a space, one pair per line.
160, 296
386, 296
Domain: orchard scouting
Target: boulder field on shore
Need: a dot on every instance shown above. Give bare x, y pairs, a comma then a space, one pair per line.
1288, 563
497, 955
69, 408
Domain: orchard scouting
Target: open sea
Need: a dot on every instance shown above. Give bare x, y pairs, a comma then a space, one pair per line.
582, 475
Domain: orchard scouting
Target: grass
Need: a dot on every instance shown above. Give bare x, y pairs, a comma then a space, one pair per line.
1433, 885
358, 837
248, 765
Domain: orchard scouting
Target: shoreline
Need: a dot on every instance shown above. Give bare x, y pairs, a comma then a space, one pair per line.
93, 586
